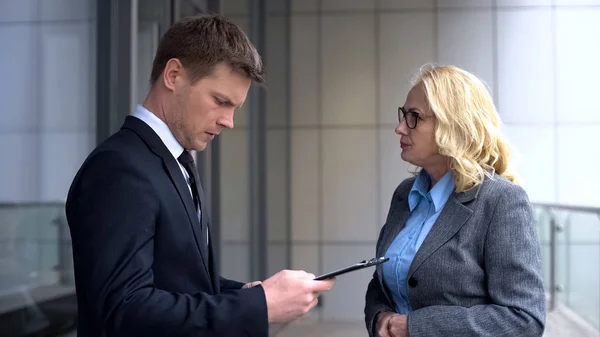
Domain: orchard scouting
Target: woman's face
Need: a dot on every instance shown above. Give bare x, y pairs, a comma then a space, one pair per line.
416, 127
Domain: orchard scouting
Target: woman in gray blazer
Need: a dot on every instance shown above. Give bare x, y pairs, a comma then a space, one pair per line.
464, 254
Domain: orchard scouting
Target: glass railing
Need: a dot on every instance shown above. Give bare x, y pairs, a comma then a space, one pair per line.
36, 267
570, 238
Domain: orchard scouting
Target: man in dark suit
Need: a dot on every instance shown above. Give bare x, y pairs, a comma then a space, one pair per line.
144, 259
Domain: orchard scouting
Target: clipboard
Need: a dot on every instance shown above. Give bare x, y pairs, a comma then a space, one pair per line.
361, 265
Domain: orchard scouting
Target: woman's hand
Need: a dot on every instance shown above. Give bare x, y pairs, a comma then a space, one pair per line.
383, 324
398, 325
390, 324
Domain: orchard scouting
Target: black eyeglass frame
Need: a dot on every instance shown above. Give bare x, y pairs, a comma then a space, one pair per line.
413, 117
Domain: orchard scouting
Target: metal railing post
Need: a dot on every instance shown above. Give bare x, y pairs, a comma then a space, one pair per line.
553, 287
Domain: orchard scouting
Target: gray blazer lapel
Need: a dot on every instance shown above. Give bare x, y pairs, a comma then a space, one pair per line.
395, 228
396, 220
394, 224
454, 215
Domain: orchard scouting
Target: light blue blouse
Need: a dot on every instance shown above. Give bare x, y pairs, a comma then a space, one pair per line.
425, 207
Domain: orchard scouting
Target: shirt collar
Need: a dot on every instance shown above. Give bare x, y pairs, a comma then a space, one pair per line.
161, 129
439, 193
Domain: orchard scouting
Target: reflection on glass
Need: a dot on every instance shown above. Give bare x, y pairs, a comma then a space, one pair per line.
35, 263
577, 265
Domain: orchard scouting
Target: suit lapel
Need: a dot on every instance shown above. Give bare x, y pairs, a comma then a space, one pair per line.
172, 167
453, 216
184, 193
201, 233
204, 206
213, 265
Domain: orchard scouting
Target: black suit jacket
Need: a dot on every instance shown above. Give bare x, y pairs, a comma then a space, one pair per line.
139, 270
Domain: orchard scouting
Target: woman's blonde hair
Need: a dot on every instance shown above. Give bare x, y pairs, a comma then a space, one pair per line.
468, 125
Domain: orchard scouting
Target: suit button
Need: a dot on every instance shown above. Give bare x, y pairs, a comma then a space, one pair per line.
412, 282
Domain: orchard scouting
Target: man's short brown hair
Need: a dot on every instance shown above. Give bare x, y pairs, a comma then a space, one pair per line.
201, 42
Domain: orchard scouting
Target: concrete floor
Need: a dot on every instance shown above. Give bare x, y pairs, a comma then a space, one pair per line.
558, 324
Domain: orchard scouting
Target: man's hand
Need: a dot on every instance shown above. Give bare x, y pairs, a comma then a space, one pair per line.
398, 325
383, 324
251, 284
291, 294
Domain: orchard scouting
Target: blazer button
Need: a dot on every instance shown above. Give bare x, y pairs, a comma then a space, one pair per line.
412, 282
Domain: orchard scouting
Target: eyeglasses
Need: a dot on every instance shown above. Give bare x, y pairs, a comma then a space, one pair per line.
411, 117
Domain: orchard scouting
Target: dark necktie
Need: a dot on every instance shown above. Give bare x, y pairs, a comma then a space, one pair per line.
187, 161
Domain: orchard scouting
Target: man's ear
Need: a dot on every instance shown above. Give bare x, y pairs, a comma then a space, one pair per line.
173, 71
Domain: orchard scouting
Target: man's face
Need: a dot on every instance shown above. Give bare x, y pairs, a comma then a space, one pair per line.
201, 110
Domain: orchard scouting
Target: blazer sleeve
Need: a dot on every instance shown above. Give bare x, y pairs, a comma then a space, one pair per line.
112, 210
375, 303
375, 300
227, 284
513, 266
